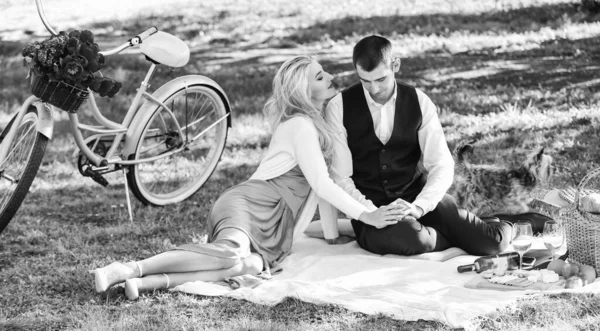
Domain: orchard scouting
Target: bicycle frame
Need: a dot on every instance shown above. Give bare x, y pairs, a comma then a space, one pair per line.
145, 121
131, 127
145, 112
128, 129
109, 127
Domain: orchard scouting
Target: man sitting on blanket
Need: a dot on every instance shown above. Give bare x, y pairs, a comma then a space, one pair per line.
390, 148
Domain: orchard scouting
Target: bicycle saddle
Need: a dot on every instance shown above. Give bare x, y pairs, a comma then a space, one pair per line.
166, 49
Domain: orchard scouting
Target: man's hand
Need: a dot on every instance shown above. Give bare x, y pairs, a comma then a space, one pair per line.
409, 208
383, 216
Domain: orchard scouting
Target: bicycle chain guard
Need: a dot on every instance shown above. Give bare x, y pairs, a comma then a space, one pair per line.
83, 163
85, 166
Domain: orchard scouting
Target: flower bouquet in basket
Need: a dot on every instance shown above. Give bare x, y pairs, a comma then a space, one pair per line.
63, 67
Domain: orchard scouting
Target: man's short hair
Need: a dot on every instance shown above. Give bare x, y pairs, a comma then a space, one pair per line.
370, 51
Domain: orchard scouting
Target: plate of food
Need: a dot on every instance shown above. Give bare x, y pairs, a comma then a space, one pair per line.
517, 280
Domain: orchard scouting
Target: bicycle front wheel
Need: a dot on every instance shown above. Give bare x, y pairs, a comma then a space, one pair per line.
200, 113
21, 164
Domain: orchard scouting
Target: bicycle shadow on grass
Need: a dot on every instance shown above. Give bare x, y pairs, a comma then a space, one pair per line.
71, 200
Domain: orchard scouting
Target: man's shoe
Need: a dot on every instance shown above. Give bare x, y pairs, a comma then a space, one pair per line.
490, 219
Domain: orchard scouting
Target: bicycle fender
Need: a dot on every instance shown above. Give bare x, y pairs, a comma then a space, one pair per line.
145, 111
45, 123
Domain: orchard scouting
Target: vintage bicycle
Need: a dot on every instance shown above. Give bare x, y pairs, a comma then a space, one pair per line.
167, 146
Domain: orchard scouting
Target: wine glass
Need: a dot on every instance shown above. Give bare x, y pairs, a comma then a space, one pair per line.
553, 237
522, 239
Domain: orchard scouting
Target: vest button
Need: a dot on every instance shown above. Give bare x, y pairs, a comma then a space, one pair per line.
384, 167
383, 151
385, 181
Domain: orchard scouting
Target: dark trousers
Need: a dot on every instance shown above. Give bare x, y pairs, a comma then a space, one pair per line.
445, 226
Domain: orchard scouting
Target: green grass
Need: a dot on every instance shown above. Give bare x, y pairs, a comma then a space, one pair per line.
513, 75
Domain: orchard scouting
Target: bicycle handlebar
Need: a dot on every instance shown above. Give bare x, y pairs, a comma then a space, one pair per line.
146, 33
132, 42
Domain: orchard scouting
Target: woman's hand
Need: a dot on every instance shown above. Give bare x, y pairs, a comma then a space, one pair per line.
341, 240
384, 216
410, 209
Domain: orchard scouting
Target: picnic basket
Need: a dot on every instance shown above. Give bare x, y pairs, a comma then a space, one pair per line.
582, 228
58, 93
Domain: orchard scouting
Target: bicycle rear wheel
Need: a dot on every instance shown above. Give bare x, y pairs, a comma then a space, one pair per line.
21, 164
197, 110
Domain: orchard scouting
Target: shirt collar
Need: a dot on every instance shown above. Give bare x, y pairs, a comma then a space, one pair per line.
372, 102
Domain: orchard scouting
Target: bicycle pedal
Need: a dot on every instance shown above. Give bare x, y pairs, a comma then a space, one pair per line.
100, 169
98, 178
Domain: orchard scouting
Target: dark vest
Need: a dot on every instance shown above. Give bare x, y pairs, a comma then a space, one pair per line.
381, 172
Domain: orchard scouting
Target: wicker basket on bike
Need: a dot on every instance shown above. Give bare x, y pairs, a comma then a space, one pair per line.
65, 67
582, 225
58, 93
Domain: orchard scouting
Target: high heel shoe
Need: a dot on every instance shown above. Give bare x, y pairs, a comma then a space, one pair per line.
131, 289
134, 286
112, 274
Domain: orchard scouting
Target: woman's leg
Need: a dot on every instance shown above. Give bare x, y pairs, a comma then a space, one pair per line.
220, 255
251, 265
184, 261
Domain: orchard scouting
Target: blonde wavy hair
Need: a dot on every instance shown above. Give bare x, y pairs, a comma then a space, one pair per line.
291, 97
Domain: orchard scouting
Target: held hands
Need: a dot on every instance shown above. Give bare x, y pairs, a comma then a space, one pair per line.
384, 215
392, 214
409, 208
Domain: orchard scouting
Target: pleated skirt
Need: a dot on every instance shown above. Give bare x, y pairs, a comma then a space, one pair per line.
265, 210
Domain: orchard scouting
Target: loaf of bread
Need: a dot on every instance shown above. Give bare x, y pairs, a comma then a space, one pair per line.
591, 203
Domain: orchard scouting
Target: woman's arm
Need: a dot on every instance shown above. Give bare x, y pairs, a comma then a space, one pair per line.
329, 216
341, 166
307, 152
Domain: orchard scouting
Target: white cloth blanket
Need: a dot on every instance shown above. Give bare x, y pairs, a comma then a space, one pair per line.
401, 287
425, 286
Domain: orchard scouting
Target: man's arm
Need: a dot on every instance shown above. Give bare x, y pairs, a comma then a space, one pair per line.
437, 158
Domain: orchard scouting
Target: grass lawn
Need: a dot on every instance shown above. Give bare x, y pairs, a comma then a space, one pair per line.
514, 75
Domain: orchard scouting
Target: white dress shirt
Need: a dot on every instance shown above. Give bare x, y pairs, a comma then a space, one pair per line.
381, 114
436, 157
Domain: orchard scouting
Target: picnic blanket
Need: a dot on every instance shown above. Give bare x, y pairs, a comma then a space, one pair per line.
425, 286
408, 288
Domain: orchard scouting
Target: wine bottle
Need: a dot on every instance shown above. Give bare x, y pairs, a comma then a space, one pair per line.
506, 261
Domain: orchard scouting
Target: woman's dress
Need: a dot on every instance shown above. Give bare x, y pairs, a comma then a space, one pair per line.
266, 210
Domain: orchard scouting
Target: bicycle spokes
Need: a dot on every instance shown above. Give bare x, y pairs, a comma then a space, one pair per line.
18, 156
19, 168
189, 135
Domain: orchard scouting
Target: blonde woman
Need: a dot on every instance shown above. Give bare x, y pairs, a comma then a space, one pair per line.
251, 224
